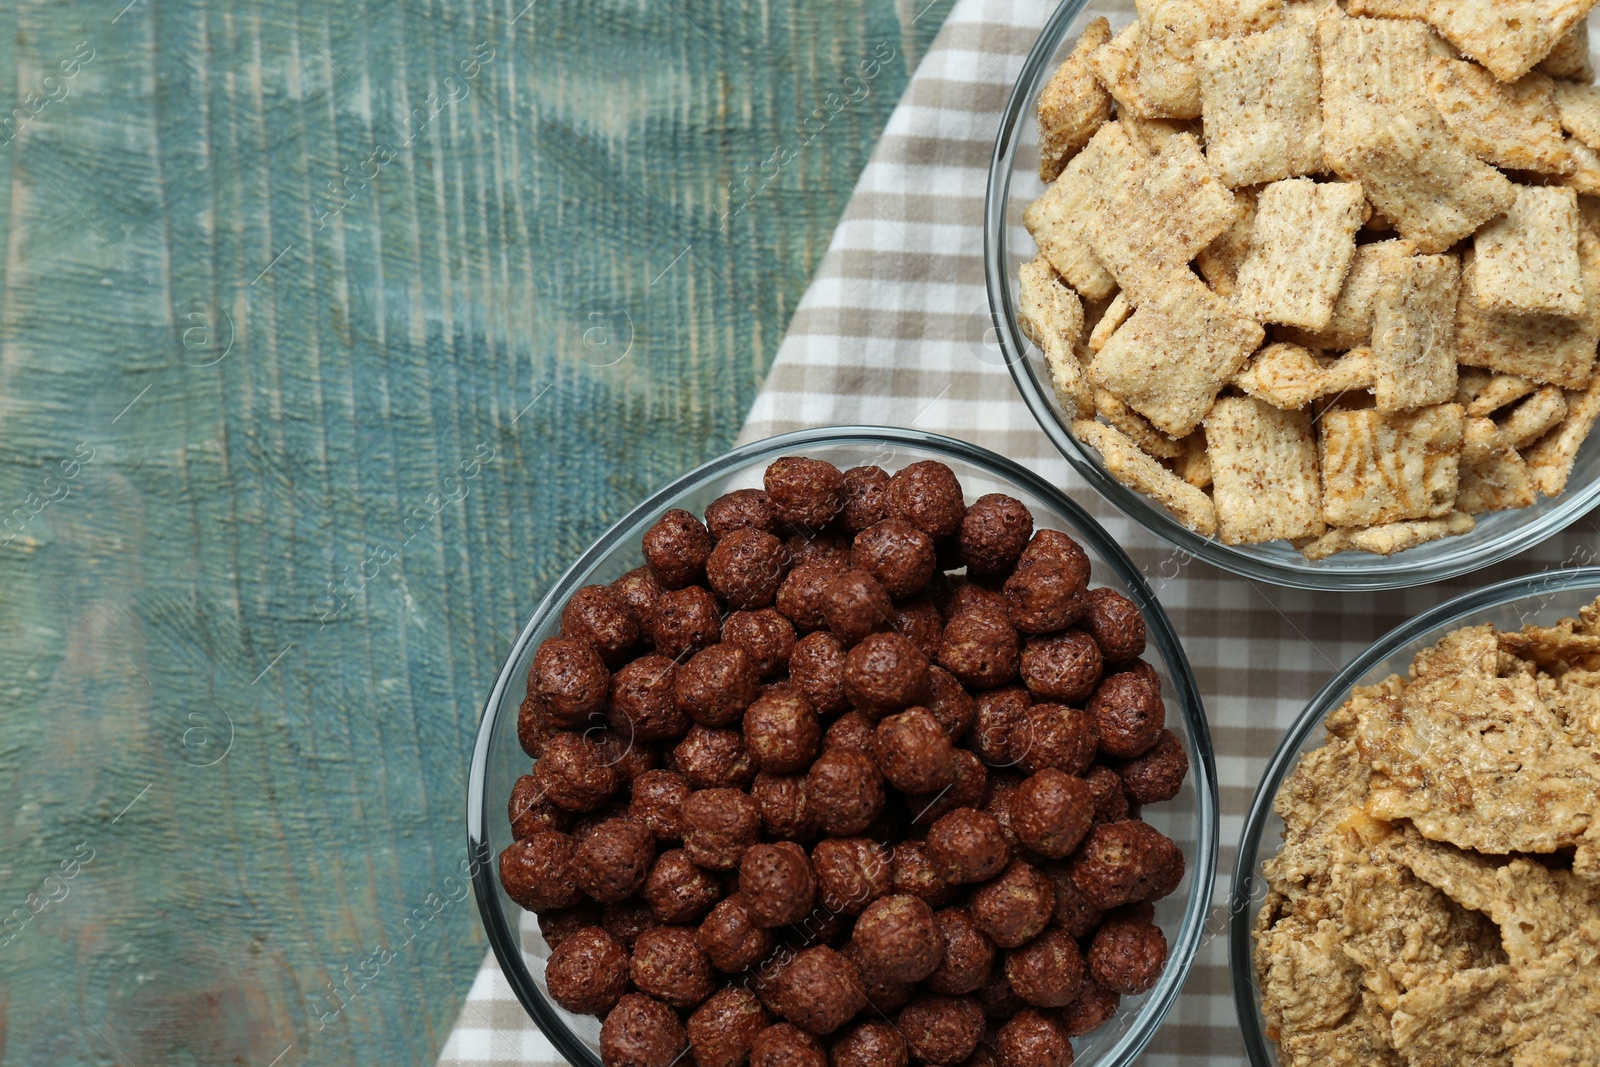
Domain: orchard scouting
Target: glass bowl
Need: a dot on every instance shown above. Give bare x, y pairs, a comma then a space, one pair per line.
1541, 599
1013, 184
1190, 819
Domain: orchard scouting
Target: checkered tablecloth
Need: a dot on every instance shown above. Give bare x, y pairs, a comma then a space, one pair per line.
895, 330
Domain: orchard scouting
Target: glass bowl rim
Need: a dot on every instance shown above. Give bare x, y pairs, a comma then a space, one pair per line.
1456, 610
505, 941
1383, 572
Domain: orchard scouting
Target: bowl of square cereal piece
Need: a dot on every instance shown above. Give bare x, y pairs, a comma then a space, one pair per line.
890, 754
1418, 881
1311, 292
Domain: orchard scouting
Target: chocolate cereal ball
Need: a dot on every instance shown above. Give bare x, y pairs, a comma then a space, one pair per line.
855, 605
1110, 798
928, 496
980, 649
776, 883
573, 773
722, 1029
969, 955
626, 919
1047, 972
996, 997
869, 1043
1053, 735
800, 596
570, 680
968, 596
765, 977
1032, 1039
911, 873
993, 533
1073, 913
627, 756
1095, 1007
716, 685
786, 1045
1128, 952
982, 1056
966, 790
588, 972
999, 711
643, 706
883, 996
816, 666
742, 509
781, 800
718, 825
1015, 907
601, 619
676, 548
866, 501
1158, 774
1128, 713
1002, 790
914, 752
556, 926
714, 758
898, 940
884, 674
808, 545
804, 492
1123, 862
533, 724
1057, 546
844, 791
684, 621
677, 890
537, 871
612, 861
1047, 596
940, 1030
1051, 812
766, 637
638, 590
530, 812
1116, 624
851, 873
920, 622
655, 800
897, 554
669, 965
1167, 874
781, 731
950, 703
746, 568
641, 1032
853, 731
967, 846
731, 939
820, 991
1062, 666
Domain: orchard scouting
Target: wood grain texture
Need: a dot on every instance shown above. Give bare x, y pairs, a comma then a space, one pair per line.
329, 334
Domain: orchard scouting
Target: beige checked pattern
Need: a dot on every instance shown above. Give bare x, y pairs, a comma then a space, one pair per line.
895, 330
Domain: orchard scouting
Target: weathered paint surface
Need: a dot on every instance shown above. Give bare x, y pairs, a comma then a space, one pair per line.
329, 333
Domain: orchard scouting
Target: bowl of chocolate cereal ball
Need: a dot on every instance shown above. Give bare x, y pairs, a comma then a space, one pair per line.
853, 746
1309, 290
1417, 877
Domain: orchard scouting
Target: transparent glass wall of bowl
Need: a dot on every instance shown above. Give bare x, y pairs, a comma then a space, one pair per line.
1539, 600
1013, 185
1189, 819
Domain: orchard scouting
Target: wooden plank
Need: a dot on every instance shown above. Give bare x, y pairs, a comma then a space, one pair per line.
264, 301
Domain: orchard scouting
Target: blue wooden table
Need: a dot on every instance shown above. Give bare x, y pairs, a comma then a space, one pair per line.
329, 334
